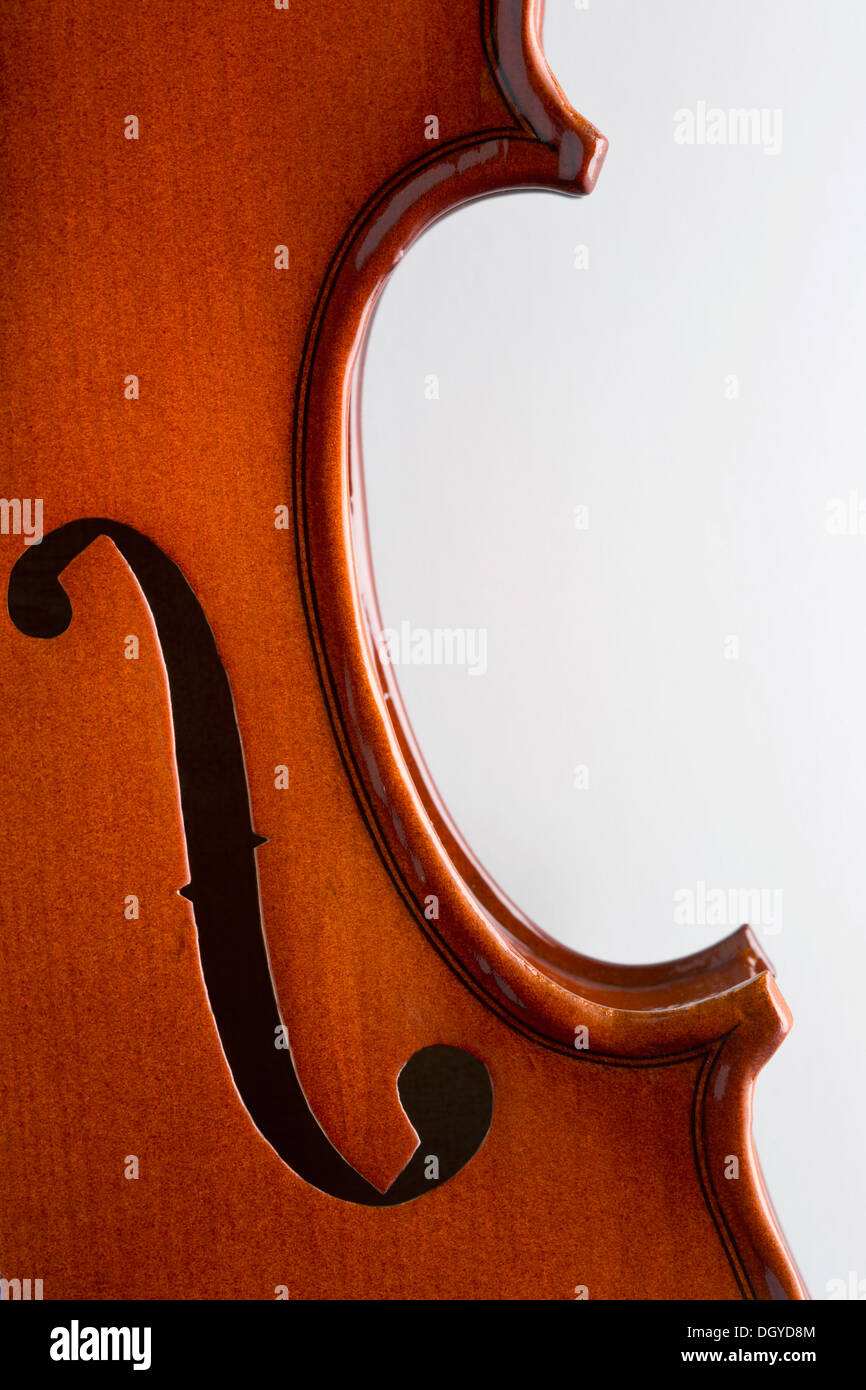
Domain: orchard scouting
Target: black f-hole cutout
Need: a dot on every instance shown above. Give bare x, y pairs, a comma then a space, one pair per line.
445, 1092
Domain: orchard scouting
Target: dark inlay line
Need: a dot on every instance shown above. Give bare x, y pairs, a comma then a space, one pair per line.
445, 1092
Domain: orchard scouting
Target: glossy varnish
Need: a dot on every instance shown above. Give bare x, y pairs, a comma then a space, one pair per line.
222, 837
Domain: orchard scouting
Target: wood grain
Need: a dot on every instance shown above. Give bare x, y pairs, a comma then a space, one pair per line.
604, 1166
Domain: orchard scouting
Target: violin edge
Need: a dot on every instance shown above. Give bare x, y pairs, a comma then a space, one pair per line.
514, 976
515, 54
736, 1193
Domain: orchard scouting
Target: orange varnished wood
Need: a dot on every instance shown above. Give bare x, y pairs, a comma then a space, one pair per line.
604, 1165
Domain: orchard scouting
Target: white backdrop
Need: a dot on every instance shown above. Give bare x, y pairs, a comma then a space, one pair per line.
640, 484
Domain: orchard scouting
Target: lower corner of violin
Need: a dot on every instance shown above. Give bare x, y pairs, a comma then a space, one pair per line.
748, 1224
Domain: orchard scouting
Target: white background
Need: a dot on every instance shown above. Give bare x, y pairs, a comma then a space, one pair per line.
606, 387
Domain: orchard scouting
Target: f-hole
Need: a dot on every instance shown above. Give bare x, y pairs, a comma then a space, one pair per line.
445, 1092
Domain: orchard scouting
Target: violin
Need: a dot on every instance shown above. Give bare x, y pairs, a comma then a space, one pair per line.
270, 1029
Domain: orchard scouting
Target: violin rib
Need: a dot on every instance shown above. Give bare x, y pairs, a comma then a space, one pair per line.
266, 1005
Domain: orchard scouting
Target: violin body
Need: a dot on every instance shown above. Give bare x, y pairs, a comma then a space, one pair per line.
269, 1030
